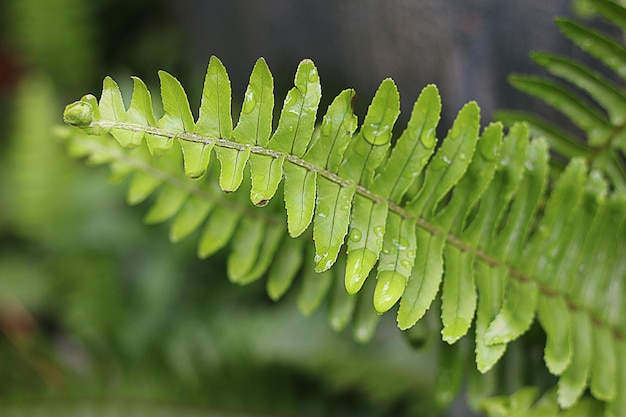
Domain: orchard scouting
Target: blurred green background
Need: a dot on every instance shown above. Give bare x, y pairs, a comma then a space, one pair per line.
100, 314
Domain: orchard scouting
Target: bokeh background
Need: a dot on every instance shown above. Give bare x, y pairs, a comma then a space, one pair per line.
100, 312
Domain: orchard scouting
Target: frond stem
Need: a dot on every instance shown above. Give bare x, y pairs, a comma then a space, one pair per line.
431, 228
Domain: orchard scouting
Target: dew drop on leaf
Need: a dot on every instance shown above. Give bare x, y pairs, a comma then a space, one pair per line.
355, 235
403, 244
249, 102
440, 163
428, 139
376, 134
490, 153
313, 76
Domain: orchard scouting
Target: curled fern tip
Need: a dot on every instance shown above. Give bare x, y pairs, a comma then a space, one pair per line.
80, 113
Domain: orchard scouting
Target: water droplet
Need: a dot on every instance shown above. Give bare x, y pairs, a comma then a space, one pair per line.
428, 139
379, 231
462, 156
249, 102
386, 251
529, 166
376, 134
440, 163
355, 235
490, 153
403, 244
290, 128
405, 263
313, 75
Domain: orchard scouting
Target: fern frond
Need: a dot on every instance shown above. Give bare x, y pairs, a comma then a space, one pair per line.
600, 111
475, 218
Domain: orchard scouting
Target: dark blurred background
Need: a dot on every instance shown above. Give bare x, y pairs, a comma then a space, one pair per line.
98, 308
467, 48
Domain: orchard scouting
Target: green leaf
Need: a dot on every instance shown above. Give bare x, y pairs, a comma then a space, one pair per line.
365, 240
341, 304
607, 94
396, 261
414, 147
297, 118
502, 188
271, 240
366, 152
614, 12
196, 157
516, 315
141, 186
140, 110
560, 141
474, 183
247, 243
554, 316
545, 242
490, 283
233, 162
284, 268
450, 373
449, 162
169, 200
365, 318
595, 125
177, 117
189, 218
112, 108
510, 241
255, 121
617, 407
573, 381
547, 406
609, 51
424, 282
300, 185
458, 297
218, 230
382, 114
330, 225
265, 173
335, 132
214, 120
608, 259
603, 364
314, 288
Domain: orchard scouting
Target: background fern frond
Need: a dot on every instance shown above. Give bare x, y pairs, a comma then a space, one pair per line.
595, 103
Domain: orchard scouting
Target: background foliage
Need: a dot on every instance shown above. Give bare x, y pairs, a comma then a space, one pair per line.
100, 312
